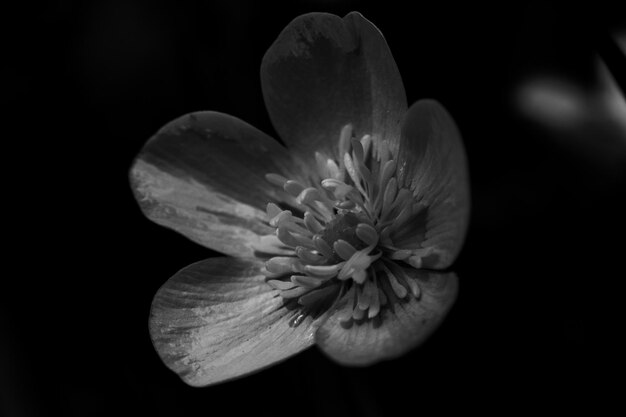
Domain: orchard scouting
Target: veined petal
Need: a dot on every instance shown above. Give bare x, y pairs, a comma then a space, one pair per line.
203, 175
324, 72
433, 165
399, 327
217, 319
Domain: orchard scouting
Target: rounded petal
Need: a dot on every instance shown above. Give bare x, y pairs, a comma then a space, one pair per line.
324, 72
203, 175
432, 163
397, 328
217, 319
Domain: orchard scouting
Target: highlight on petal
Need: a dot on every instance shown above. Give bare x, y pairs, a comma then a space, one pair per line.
203, 175
217, 319
433, 165
323, 73
400, 326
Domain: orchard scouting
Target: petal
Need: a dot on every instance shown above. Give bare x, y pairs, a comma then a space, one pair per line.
324, 72
397, 328
217, 319
203, 176
432, 163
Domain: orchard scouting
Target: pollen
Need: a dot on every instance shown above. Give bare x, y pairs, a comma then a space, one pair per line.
350, 240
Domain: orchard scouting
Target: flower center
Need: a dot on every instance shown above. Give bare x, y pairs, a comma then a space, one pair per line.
358, 223
343, 227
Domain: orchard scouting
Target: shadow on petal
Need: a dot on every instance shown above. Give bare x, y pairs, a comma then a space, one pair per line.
324, 72
399, 327
432, 163
217, 319
203, 175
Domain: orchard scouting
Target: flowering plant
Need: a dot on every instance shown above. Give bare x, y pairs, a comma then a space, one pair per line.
340, 239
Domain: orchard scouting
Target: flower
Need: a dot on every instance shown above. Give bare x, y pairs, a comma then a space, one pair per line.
342, 239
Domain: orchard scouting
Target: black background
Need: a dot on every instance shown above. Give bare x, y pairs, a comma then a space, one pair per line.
89, 82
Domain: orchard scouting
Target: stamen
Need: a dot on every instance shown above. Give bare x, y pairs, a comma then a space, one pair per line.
317, 295
389, 195
345, 234
308, 196
382, 297
339, 188
374, 306
293, 187
347, 160
359, 276
309, 256
397, 288
400, 254
280, 218
358, 314
333, 170
388, 170
364, 295
311, 223
346, 205
283, 265
344, 249
345, 315
293, 240
276, 179
272, 211
401, 274
270, 244
281, 285
306, 281
324, 270
366, 142
367, 234
322, 247
344, 139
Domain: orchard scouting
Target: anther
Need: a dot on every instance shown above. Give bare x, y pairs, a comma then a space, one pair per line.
322, 247
358, 314
283, 265
339, 188
281, 285
397, 288
276, 179
280, 218
364, 295
293, 187
311, 223
390, 194
309, 256
344, 138
388, 170
401, 254
346, 205
367, 234
323, 270
306, 281
309, 195
272, 211
344, 249
366, 142
357, 148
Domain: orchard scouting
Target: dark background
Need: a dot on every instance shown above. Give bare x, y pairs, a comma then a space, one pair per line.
89, 82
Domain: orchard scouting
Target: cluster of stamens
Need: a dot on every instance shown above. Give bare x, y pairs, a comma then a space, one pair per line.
346, 241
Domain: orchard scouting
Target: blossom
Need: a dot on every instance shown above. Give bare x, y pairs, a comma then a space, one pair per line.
342, 239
